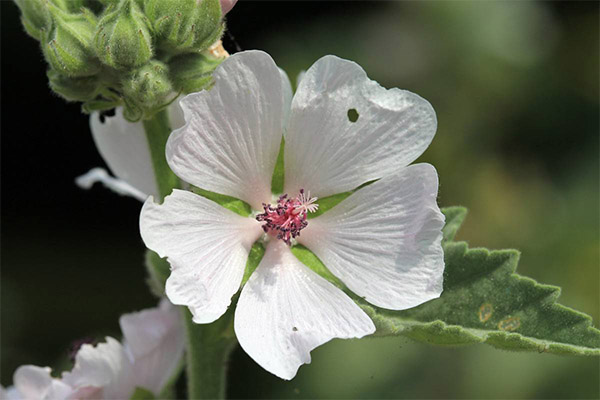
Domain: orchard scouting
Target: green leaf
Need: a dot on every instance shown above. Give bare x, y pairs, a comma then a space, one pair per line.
485, 301
142, 394
454, 219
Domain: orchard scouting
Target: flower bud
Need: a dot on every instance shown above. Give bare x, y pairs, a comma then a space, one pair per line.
148, 88
73, 6
184, 26
67, 44
123, 39
35, 17
227, 5
192, 72
74, 89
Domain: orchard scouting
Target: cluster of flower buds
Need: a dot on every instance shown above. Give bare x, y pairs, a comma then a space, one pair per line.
137, 54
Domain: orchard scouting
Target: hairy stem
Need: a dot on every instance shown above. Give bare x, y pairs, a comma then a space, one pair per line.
208, 349
207, 345
158, 130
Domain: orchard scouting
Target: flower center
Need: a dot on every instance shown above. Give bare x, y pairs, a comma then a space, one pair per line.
287, 218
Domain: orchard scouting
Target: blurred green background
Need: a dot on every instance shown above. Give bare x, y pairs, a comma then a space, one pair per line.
516, 89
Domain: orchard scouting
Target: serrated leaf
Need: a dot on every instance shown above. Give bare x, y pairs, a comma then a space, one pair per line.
485, 301
454, 219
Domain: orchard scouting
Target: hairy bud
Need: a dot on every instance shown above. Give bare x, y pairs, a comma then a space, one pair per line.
192, 72
147, 89
67, 44
123, 39
34, 16
74, 89
185, 25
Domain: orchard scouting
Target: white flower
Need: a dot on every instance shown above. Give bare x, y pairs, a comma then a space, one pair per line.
124, 148
383, 241
149, 356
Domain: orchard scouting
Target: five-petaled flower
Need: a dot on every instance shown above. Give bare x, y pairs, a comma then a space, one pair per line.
383, 241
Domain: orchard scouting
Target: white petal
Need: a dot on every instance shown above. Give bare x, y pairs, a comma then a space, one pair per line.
124, 147
231, 139
10, 393
32, 382
286, 310
384, 241
326, 153
155, 338
207, 247
105, 366
288, 94
94, 175
176, 118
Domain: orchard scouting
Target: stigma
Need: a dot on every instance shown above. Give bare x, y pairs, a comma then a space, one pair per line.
287, 217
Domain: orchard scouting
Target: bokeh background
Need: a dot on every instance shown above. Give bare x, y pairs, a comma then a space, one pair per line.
516, 90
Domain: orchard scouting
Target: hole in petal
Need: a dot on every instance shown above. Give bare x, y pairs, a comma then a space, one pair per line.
352, 115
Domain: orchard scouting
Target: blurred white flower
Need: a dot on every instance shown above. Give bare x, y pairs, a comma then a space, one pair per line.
124, 148
149, 356
341, 130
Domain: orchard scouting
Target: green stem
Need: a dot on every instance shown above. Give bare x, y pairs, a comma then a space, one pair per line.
158, 130
208, 349
208, 345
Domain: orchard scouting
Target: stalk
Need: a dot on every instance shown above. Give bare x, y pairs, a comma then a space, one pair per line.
207, 345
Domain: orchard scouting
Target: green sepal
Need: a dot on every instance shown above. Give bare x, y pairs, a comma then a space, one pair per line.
192, 72
278, 179
142, 394
484, 301
185, 26
309, 259
123, 39
257, 251
231, 203
98, 105
158, 270
67, 43
74, 89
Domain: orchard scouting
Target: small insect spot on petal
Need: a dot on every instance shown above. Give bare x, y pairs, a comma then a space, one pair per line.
485, 312
509, 324
353, 115
295, 329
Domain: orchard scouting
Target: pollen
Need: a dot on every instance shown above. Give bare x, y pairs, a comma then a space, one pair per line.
287, 217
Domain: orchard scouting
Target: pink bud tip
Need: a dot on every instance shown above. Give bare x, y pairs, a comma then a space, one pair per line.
227, 5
